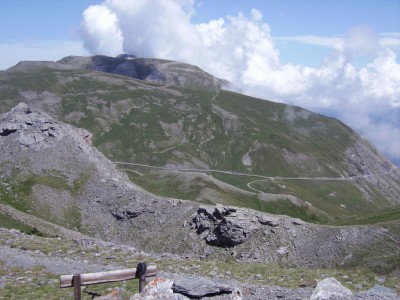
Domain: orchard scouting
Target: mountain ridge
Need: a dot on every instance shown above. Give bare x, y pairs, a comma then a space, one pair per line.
158, 71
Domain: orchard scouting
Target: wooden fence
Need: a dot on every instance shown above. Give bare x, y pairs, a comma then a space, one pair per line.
77, 280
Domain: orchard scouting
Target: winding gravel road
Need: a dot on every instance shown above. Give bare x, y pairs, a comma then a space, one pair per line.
264, 178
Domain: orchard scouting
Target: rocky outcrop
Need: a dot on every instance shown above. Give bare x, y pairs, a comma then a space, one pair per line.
37, 130
254, 236
223, 226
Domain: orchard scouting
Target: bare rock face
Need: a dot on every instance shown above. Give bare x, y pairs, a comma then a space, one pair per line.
223, 226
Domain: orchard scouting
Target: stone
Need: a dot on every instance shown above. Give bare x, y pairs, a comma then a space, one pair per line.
197, 287
331, 289
123, 215
158, 288
297, 222
264, 220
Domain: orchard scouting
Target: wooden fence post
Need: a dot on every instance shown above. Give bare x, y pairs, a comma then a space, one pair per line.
141, 273
76, 279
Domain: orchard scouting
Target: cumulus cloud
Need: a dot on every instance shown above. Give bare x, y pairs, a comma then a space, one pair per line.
101, 30
158, 28
241, 49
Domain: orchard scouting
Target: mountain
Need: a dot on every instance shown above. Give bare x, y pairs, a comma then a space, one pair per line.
159, 71
177, 133
55, 183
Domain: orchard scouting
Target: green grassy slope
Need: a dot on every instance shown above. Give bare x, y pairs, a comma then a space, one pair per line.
383, 215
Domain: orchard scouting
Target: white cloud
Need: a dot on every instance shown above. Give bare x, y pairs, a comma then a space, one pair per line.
158, 28
357, 38
101, 30
312, 40
242, 50
12, 53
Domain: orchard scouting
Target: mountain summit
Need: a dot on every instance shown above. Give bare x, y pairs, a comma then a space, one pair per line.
159, 71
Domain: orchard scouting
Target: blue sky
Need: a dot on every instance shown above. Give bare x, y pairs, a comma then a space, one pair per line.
299, 17
27, 22
339, 57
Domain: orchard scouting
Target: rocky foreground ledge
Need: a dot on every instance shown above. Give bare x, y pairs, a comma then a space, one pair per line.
200, 288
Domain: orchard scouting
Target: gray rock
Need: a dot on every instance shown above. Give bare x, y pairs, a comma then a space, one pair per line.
270, 221
380, 289
223, 226
378, 292
331, 289
158, 288
197, 287
123, 215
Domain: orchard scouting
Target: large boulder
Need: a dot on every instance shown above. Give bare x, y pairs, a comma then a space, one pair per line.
197, 287
331, 289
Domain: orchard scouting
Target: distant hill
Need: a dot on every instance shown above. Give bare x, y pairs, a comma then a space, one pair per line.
186, 137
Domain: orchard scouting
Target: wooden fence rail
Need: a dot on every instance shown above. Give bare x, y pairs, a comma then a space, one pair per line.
77, 280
